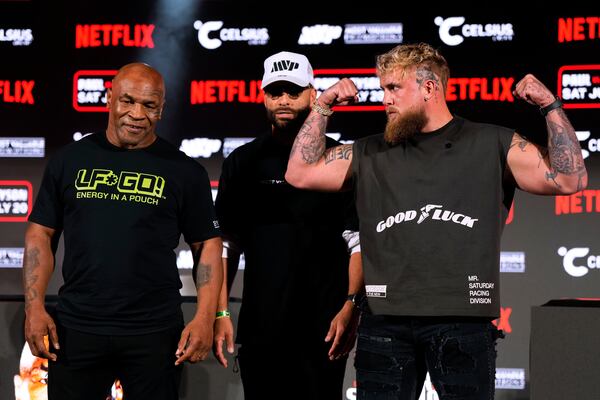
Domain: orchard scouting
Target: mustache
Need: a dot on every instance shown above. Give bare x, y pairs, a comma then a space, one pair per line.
390, 109
284, 109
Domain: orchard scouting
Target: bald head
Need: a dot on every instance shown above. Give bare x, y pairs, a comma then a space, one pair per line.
135, 103
143, 71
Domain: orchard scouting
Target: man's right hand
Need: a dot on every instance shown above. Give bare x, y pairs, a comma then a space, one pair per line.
38, 323
342, 93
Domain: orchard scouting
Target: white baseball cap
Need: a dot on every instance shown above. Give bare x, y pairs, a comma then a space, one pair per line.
290, 67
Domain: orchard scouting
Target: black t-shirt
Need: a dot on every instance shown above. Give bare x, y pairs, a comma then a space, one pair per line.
431, 214
296, 275
122, 213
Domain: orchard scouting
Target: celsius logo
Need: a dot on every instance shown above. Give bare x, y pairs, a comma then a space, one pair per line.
433, 211
570, 255
498, 32
445, 25
319, 34
18, 37
253, 36
593, 143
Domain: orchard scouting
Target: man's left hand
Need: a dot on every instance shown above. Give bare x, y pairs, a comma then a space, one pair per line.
533, 91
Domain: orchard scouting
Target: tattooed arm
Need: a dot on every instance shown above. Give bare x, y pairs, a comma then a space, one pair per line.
311, 166
196, 338
38, 265
557, 168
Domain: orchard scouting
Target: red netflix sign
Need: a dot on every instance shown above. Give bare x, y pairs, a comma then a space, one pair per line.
578, 29
484, 89
225, 91
114, 35
583, 202
20, 92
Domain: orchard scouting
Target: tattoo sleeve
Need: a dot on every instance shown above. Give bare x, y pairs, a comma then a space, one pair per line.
31, 263
343, 152
564, 152
310, 141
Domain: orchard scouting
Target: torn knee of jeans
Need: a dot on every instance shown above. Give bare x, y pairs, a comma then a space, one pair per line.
453, 358
458, 391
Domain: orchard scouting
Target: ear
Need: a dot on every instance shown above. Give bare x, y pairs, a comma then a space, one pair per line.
108, 97
313, 95
430, 87
162, 107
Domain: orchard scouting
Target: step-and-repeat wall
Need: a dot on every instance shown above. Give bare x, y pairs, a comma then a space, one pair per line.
56, 62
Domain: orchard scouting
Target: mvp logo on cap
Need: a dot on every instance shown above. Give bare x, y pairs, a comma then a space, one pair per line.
290, 67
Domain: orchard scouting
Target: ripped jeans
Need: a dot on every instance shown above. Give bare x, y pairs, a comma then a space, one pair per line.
394, 354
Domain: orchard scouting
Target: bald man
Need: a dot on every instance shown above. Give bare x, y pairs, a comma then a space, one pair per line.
122, 199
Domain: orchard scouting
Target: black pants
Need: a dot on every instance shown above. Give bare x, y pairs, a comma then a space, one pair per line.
282, 372
88, 364
394, 354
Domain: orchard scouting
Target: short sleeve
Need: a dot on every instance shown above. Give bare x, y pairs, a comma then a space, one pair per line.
228, 201
48, 209
199, 220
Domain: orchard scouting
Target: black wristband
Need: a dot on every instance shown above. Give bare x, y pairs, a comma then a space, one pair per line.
552, 106
357, 299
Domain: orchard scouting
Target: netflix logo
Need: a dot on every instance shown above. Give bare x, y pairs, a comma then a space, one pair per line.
578, 29
225, 91
484, 89
114, 35
20, 92
584, 202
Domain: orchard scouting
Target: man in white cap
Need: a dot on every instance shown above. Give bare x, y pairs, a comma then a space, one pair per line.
303, 273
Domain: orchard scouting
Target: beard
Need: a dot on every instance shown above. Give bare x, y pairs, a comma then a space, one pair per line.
404, 126
291, 126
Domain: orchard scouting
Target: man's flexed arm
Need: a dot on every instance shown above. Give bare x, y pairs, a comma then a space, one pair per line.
311, 166
557, 168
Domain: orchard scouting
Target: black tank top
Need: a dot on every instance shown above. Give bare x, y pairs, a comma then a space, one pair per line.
431, 211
